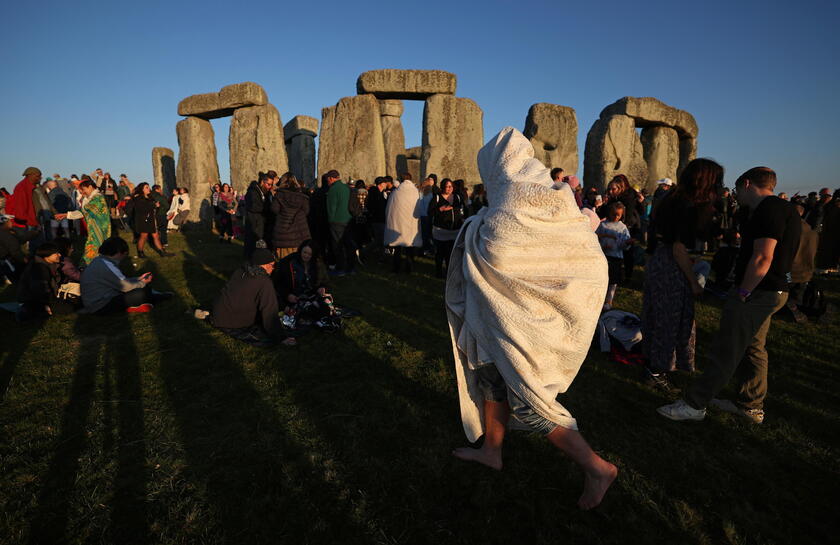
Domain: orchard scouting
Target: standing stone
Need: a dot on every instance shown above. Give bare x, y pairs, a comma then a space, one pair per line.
688, 152
300, 135
197, 168
393, 137
351, 139
163, 168
256, 144
613, 147
647, 111
413, 167
223, 103
453, 132
552, 130
410, 156
406, 84
662, 154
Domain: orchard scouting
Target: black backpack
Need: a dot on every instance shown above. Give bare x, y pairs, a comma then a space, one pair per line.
813, 304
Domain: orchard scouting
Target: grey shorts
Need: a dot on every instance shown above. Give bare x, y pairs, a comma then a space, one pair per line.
494, 388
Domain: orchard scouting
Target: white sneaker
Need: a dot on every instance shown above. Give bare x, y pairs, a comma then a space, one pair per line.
680, 410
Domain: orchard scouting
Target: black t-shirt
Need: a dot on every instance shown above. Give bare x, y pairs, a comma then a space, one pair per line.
777, 219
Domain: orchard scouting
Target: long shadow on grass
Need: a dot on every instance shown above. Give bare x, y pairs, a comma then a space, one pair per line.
15, 344
50, 522
262, 485
378, 428
128, 520
389, 436
751, 475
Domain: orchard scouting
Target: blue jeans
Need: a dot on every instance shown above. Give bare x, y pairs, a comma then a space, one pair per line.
494, 389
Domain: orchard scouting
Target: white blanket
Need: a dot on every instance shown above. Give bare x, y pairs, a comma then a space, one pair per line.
402, 217
526, 281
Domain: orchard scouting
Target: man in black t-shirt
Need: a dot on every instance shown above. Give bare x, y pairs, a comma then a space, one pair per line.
769, 240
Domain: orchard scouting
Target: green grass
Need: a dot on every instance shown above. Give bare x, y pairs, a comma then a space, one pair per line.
157, 429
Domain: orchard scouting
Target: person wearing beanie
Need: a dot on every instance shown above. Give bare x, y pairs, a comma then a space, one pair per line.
338, 214
247, 308
24, 208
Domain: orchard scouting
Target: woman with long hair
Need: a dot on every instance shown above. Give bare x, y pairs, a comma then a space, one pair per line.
290, 208
668, 326
227, 209
94, 209
447, 213
143, 213
301, 282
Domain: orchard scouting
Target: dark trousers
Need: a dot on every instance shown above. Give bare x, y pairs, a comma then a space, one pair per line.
629, 263
341, 242
426, 232
44, 217
162, 232
443, 249
133, 298
739, 351
404, 254
251, 239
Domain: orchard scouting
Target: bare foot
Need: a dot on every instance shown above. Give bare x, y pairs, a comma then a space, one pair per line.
487, 457
596, 485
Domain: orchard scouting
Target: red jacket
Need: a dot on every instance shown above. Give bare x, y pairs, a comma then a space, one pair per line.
22, 207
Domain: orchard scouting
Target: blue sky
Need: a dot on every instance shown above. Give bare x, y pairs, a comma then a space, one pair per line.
87, 84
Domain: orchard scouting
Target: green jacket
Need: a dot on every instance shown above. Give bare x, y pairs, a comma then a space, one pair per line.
338, 198
164, 204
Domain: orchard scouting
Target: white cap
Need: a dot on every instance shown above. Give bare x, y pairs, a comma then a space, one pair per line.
665, 181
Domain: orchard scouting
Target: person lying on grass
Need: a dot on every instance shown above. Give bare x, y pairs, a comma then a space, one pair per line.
247, 309
523, 293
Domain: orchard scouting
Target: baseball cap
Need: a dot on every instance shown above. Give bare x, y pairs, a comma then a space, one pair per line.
333, 174
665, 181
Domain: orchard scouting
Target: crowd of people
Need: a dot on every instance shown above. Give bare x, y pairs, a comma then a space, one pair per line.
488, 244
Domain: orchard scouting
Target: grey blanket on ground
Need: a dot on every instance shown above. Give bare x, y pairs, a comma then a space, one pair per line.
526, 282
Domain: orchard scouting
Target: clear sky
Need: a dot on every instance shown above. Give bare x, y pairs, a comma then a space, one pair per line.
96, 84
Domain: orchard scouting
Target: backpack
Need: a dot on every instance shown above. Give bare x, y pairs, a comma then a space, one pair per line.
353, 204
813, 304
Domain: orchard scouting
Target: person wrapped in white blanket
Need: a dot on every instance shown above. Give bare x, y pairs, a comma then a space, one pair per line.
523, 294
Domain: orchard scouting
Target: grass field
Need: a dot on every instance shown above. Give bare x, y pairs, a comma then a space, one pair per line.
157, 429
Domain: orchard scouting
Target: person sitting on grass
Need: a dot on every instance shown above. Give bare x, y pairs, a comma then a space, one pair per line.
12, 258
106, 290
247, 309
38, 286
301, 281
